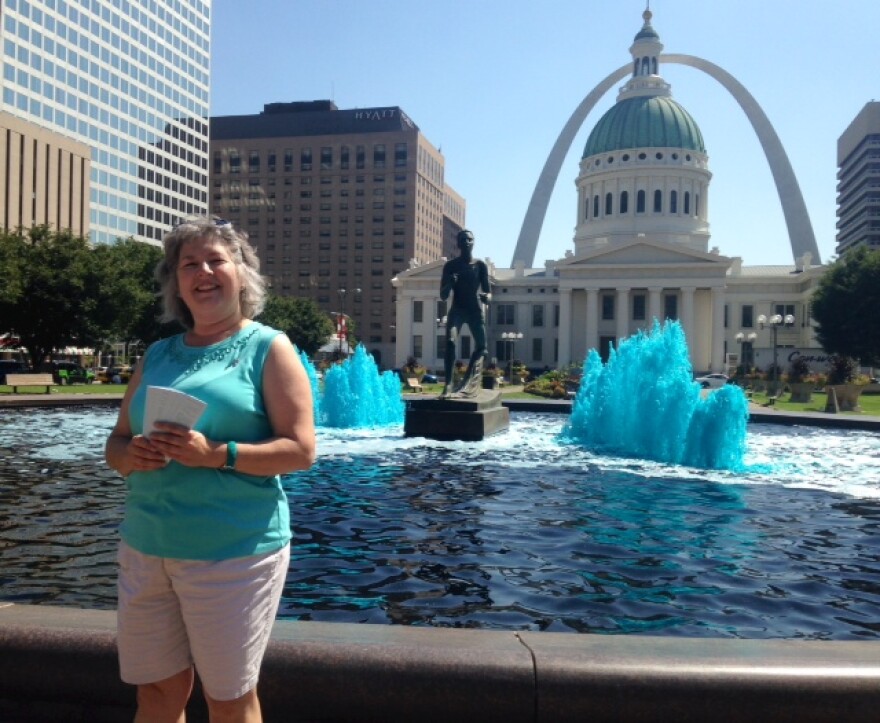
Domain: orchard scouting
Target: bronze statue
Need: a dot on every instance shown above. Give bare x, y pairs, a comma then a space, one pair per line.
467, 279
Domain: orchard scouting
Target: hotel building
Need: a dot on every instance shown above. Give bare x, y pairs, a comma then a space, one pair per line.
337, 202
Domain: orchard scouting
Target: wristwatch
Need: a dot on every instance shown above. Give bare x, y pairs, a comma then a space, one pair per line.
231, 457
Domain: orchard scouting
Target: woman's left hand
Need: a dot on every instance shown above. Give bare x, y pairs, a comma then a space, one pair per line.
186, 446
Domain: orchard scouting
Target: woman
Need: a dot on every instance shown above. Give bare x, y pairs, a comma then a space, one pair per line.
206, 531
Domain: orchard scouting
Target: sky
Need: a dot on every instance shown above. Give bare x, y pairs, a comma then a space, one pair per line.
492, 83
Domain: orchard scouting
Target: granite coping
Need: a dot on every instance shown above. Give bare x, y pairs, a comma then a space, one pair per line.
60, 663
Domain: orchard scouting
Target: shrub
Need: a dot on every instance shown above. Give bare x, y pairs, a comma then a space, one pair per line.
842, 369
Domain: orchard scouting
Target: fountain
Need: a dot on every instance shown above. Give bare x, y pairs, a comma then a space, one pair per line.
356, 394
644, 403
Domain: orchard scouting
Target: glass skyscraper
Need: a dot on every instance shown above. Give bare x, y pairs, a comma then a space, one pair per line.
129, 78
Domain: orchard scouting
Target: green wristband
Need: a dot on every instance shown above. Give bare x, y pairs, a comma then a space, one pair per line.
231, 456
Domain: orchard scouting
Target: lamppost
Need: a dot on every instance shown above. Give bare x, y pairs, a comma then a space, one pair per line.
774, 322
742, 338
511, 337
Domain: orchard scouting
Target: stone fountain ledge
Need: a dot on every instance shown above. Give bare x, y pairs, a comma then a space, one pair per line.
60, 664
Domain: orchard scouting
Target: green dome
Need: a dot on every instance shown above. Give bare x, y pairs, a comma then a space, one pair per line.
645, 122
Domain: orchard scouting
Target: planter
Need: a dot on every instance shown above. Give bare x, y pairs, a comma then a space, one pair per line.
847, 396
801, 391
490, 381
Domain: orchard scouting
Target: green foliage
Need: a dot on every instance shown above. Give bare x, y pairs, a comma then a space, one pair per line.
301, 319
842, 369
845, 307
798, 370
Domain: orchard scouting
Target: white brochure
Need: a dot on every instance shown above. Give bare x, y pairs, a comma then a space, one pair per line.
169, 405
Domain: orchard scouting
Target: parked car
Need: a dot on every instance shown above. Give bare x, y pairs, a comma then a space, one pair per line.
430, 379
115, 375
712, 381
10, 366
65, 372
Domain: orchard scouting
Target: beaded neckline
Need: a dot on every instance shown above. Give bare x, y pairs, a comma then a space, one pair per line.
195, 357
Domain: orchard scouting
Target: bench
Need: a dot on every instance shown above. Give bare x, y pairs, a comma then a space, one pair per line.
29, 380
413, 383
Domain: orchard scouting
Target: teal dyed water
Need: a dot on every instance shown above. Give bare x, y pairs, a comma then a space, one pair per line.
644, 403
356, 394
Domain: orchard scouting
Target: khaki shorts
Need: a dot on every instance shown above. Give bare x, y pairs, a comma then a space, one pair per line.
216, 615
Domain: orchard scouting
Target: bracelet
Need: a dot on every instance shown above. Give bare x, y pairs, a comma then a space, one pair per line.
231, 457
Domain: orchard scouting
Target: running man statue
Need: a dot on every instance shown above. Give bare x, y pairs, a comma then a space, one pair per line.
467, 279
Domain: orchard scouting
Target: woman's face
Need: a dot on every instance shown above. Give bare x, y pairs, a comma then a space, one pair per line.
207, 280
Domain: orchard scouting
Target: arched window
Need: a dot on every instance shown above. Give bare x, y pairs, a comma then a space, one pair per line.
644, 66
658, 201
596, 206
654, 66
608, 202
673, 202
687, 203
696, 204
624, 202
640, 202
586, 209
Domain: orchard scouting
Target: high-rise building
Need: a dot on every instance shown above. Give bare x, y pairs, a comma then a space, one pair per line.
130, 80
858, 181
337, 202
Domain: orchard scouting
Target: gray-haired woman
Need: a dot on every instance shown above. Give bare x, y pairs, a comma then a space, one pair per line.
206, 531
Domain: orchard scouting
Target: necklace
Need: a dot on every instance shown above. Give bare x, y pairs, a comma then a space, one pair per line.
194, 358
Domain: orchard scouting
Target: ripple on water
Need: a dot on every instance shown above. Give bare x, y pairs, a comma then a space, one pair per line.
515, 532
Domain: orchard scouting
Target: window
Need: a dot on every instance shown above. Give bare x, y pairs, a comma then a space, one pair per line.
326, 158
624, 202
305, 159
658, 201
253, 161
638, 307
379, 155
640, 202
687, 203
343, 157
537, 315
747, 316
288, 159
673, 202
608, 204
670, 306
784, 310
417, 346
607, 307
400, 155
359, 158
596, 206
537, 349
505, 314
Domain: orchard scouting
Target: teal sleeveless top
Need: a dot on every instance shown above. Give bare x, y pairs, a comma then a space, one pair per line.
199, 513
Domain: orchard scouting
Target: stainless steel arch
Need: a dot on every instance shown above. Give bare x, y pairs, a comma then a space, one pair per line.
797, 220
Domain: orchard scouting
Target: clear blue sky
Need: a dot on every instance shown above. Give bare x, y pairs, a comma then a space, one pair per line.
492, 82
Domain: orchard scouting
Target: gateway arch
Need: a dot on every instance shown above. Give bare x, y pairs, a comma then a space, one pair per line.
800, 230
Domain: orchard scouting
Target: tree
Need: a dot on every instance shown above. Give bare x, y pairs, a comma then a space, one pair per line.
45, 301
301, 319
845, 307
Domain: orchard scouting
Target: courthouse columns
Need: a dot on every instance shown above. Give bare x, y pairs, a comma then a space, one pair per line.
687, 314
592, 319
565, 329
655, 294
622, 315
718, 329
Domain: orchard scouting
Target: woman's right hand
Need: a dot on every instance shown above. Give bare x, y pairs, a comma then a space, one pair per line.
143, 455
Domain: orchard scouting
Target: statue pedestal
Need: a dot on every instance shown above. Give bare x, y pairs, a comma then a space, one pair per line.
467, 419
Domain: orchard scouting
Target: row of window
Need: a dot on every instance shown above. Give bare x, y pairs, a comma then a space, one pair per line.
306, 160
641, 201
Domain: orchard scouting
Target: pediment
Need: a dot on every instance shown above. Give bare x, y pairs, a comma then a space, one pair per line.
643, 253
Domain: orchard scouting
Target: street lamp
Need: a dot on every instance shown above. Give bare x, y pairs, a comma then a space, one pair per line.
774, 322
511, 337
742, 338
341, 324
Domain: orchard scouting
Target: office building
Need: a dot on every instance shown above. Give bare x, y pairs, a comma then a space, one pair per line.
129, 79
337, 202
858, 181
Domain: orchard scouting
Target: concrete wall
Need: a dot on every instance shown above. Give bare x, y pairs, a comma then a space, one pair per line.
60, 664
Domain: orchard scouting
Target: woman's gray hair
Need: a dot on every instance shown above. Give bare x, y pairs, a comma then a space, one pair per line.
253, 294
